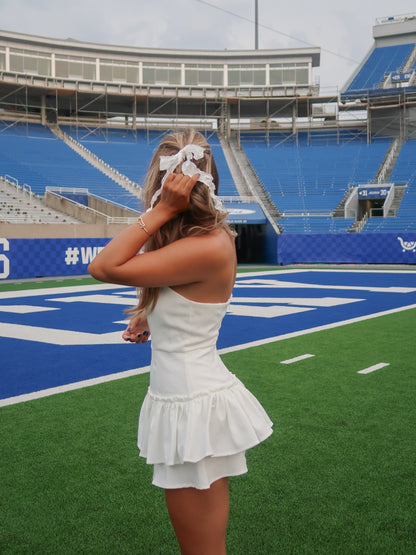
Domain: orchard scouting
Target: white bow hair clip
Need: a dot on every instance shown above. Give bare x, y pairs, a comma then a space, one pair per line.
186, 155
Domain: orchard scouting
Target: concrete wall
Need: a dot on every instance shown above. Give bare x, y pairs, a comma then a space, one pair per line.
100, 209
77, 211
110, 209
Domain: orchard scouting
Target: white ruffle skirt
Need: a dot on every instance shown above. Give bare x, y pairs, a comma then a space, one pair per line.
199, 475
194, 440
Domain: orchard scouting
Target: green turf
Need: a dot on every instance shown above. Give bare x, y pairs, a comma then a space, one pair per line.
337, 476
46, 283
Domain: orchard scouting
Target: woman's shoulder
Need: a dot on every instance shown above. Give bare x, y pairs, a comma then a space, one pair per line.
217, 243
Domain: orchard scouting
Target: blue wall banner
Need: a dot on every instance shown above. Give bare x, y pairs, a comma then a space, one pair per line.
396, 76
373, 192
27, 258
353, 248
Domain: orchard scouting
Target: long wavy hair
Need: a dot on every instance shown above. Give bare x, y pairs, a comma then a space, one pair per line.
201, 217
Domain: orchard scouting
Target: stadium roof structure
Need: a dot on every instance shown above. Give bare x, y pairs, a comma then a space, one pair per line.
66, 79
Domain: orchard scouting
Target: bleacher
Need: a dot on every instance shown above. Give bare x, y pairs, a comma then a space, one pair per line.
33, 155
404, 172
381, 61
130, 152
19, 207
306, 175
310, 173
315, 224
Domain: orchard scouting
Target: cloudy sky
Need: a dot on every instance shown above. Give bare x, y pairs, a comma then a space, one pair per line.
343, 30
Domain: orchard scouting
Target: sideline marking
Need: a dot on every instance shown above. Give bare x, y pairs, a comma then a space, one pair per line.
144, 369
260, 342
58, 290
296, 359
298, 301
373, 368
274, 283
72, 386
127, 291
54, 336
101, 299
25, 309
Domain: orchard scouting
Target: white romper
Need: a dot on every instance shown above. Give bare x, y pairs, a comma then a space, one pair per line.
197, 419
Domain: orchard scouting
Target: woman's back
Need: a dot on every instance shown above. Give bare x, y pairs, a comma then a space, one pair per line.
217, 283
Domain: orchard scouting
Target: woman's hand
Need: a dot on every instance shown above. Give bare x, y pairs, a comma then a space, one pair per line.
176, 192
138, 330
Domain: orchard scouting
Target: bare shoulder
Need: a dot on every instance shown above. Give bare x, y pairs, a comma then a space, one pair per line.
217, 245
209, 272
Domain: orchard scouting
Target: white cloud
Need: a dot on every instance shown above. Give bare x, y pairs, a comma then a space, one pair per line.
344, 28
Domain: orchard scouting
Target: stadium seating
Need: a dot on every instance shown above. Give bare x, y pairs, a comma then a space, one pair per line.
315, 224
306, 175
32, 154
381, 61
404, 172
17, 206
310, 174
130, 152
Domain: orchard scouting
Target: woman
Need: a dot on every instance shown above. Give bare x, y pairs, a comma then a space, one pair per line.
197, 419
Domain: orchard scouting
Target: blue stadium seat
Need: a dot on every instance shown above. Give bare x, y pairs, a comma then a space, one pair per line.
32, 154
131, 151
311, 173
404, 172
382, 60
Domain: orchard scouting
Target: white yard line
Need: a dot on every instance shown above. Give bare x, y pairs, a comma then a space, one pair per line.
72, 386
296, 359
373, 368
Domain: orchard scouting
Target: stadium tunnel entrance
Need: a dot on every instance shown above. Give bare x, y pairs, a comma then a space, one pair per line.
372, 207
253, 233
250, 243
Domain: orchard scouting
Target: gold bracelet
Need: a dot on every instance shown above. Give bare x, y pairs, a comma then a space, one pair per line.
143, 225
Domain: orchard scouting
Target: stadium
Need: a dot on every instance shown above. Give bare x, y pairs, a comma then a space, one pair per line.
321, 190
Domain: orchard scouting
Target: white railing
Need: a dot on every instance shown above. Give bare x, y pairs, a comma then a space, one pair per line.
25, 188
389, 200
98, 162
73, 190
395, 146
410, 61
109, 219
395, 18
293, 214
85, 191
360, 225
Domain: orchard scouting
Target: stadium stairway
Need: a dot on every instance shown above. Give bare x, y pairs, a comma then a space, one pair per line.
239, 177
97, 162
19, 206
253, 183
410, 63
390, 159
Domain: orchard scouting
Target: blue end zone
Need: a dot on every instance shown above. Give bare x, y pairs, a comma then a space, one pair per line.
53, 337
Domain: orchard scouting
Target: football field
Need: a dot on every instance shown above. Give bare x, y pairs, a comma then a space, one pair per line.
329, 353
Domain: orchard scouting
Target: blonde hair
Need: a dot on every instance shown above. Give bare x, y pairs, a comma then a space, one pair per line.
201, 217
